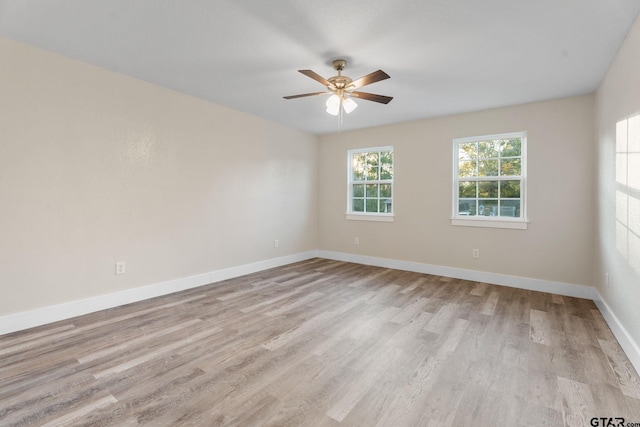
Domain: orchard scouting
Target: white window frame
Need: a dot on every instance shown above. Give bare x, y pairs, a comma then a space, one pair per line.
520, 222
368, 216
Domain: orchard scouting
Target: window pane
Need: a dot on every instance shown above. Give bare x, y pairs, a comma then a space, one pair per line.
510, 189
359, 159
358, 166
488, 208
487, 149
468, 151
488, 189
510, 208
512, 147
488, 167
386, 158
467, 168
358, 205
372, 158
385, 205
386, 171
510, 167
372, 205
358, 174
373, 173
467, 207
467, 189
358, 190
372, 190
385, 190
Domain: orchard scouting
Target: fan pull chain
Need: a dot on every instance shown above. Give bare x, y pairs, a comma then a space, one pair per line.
340, 115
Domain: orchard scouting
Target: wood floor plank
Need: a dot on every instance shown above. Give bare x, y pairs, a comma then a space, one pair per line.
377, 401
69, 418
479, 289
409, 311
323, 343
353, 393
452, 339
156, 353
410, 398
540, 331
489, 306
576, 402
416, 284
443, 319
540, 416
627, 378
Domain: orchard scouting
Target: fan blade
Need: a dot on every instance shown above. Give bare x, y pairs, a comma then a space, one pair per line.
372, 97
315, 76
376, 76
302, 95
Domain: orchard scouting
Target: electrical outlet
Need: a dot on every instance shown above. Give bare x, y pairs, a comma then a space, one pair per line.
476, 253
606, 280
356, 241
121, 267
276, 243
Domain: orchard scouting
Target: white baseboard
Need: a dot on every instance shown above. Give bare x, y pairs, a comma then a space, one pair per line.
628, 344
41, 316
560, 288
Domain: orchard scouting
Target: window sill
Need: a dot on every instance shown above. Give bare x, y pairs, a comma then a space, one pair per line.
370, 217
518, 224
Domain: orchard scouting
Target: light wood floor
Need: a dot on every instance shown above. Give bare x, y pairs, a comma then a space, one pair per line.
324, 343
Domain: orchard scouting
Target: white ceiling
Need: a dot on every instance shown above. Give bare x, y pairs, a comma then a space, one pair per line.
443, 56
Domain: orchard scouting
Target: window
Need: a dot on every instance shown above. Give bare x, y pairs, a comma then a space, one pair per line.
489, 181
370, 184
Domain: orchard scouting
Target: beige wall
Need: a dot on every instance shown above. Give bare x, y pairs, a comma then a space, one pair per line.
618, 118
96, 167
559, 244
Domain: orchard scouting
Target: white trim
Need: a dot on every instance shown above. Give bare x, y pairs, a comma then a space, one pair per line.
490, 223
370, 217
369, 149
507, 135
41, 316
628, 344
567, 289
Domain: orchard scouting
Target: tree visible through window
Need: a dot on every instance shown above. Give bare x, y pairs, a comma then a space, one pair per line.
370, 187
489, 177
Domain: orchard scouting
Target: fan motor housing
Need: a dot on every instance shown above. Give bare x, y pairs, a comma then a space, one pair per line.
340, 82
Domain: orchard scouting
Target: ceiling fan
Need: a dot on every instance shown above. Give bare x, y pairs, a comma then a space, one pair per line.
343, 88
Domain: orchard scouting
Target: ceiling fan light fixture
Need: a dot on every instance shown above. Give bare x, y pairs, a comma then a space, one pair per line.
349, 105
333, 105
